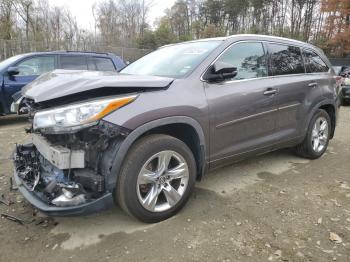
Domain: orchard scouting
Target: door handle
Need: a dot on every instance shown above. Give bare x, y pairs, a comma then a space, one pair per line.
270, 91
312, 84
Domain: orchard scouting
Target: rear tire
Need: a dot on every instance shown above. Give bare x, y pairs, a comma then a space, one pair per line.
156, 179
317, 137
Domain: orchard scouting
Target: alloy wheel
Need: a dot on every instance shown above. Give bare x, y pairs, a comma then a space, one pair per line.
162, 181
319, 134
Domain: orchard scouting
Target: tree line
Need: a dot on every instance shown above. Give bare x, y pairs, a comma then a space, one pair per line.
325, 23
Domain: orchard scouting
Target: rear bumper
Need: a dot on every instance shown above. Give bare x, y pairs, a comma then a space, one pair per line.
104, 202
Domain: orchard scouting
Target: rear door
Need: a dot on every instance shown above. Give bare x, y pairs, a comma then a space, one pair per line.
294, 86
29, 69
316, 69
243, 109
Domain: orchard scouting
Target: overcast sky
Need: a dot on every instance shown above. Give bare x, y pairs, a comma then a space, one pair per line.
81, 9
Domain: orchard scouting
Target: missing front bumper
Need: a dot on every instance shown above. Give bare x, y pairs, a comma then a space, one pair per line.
80, 163
104, 202
54, 191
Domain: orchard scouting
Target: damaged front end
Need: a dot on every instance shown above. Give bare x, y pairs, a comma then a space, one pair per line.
63, 174
67, 168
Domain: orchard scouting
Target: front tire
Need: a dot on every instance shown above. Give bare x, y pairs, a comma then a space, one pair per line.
156, 179
317, 136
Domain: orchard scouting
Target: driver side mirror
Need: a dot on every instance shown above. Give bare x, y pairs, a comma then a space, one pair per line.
13, 70
220, 71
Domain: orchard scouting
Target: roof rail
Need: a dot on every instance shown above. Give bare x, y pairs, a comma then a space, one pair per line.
87, 52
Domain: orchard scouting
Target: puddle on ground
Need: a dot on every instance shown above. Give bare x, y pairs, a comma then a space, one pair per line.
86, 230
240, 175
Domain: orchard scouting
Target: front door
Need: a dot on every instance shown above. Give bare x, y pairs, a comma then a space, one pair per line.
242, 109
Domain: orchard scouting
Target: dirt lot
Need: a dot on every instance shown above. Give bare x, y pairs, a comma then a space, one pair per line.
275, 207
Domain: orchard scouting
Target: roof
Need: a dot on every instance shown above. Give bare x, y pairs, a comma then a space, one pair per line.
262, 37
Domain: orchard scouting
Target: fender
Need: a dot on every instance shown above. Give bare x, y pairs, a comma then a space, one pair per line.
138, 132
314, 109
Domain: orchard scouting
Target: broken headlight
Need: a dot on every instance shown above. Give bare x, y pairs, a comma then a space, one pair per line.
76, 116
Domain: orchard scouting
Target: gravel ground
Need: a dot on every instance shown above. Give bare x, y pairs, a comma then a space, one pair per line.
275, 207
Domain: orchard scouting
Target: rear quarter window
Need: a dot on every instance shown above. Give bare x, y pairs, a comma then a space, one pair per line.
73, 62
285, 59
101, 64
314, 63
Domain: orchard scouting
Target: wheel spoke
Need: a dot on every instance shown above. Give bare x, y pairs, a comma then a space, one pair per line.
146, 177
323, 126
323, 139
316, 144
172, 196
163, 161
178, 171
318, 124
151, 198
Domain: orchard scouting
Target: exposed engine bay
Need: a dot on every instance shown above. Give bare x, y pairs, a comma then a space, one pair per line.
68, 169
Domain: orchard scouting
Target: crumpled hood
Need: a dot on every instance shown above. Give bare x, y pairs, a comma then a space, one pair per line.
61, 83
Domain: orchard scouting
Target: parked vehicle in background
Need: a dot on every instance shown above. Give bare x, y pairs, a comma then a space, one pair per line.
18, 71
337, 69
345, 90
143, 137
345, 71
343, 80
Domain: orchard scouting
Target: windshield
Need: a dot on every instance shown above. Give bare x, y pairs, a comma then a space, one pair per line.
4, 64
172, 61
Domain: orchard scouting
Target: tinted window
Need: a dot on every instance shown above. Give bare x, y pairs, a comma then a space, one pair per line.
314, 63
36, 65
73, 62
101, 64
248, 58
285, 60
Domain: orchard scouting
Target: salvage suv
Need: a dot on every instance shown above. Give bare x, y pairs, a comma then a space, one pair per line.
141, 138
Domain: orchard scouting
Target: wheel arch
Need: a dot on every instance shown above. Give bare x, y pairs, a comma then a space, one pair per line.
184, 128
330, 108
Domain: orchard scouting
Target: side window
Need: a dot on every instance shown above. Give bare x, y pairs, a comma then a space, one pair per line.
36, 65
91, 63
314, 63
285, 60
249, 58
73, 62
104, 64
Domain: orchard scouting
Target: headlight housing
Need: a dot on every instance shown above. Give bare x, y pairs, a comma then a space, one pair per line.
77, 116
